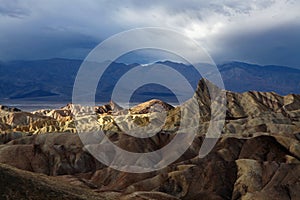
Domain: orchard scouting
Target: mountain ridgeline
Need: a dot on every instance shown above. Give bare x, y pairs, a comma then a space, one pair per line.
53, 79
256, 157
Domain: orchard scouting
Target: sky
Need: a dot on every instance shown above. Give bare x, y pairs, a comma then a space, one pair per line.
255, 31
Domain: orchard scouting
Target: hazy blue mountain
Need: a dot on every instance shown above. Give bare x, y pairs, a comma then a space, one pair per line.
53, 79
241, 77
33, 79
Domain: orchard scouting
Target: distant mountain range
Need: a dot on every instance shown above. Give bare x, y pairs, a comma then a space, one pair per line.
53, 79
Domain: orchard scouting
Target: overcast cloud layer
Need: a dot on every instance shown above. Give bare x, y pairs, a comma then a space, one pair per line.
262, 31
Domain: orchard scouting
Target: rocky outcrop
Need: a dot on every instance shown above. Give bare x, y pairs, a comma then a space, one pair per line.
151, 106
267, 180
256, 157
261, 167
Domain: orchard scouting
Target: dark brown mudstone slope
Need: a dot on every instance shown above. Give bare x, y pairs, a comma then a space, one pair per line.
257, 156
19, 184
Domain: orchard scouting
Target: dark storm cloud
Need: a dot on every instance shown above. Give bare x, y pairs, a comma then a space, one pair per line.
13, 8
264, 32
279, 45
44, 43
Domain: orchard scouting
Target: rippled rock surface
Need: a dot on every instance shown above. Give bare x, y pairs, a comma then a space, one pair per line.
256, 157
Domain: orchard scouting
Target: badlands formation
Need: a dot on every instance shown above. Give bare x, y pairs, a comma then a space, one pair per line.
256, 157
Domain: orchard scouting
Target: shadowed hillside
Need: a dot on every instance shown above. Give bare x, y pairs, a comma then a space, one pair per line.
257, 156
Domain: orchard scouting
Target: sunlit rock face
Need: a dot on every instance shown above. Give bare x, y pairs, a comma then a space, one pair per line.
256, 157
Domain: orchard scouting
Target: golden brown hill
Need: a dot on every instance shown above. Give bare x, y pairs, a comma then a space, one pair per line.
257, 156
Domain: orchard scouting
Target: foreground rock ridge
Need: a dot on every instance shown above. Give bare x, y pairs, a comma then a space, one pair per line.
256, 157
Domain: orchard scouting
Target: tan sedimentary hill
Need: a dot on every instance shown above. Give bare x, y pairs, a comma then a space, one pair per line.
247, 113
257, 156
19, 184
261, 167
153, 105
